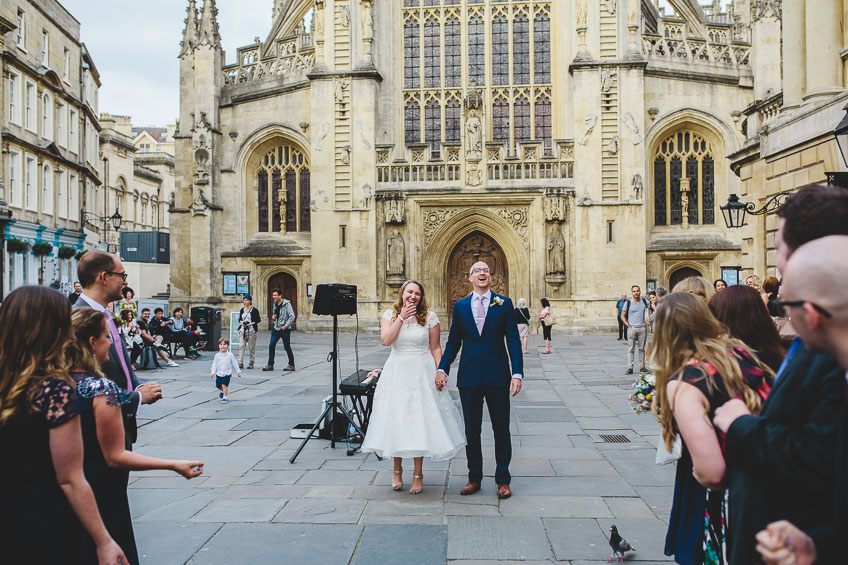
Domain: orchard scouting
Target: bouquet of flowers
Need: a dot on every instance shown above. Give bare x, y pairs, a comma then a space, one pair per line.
644, 390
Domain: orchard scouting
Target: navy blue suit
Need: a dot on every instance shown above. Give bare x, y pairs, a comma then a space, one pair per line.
484, 374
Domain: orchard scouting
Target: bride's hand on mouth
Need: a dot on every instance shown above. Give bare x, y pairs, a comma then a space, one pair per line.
409, 309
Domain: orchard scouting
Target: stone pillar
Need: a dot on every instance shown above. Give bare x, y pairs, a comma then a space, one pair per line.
794, 71
824, 42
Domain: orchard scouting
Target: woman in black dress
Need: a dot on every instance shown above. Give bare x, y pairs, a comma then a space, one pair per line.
522, 319
47, 509
107, 462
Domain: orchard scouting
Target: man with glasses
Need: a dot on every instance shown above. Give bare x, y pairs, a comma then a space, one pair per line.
102, 275
813, 292
781, 462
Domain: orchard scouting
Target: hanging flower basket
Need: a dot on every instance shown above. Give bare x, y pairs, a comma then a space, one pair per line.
41, 248
17, 245
66, 252
80, 253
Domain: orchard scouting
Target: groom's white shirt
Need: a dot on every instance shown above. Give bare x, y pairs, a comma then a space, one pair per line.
475, 299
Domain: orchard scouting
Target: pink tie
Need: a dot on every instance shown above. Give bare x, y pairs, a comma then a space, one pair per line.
116, 341
481, 313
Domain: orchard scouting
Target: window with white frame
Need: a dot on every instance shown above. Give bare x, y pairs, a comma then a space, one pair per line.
30, 184
62, 194
47, 189
143, 211
66, 66
21, 30
73, 137
73, 197
47, 116
30, 106
15, 190
14, 97
45, 48
62, 126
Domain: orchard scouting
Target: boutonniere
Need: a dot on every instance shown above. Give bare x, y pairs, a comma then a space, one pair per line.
496, 301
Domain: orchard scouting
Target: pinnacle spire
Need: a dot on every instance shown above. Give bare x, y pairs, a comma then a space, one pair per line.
190, 32
208, 33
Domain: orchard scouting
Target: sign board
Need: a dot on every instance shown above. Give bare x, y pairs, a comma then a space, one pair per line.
235, 335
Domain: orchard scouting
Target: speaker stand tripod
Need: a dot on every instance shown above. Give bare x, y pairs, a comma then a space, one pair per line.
334, 405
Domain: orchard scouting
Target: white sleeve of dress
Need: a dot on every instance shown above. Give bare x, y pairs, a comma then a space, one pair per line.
388, 314
432, 319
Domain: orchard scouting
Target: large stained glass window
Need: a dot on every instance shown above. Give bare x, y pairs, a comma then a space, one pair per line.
432, 60
542, 49
410, 55
476, 51
520, 50
500, 51
283, 192
453, 53
684, 154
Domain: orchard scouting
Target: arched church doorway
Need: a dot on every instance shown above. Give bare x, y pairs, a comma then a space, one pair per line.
288, 285
680, 274
474, 247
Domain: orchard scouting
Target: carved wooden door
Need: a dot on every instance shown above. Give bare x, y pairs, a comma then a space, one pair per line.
476, 246
680, 274
288, 285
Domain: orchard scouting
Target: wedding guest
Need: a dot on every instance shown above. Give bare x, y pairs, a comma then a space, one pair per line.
719, 285
546, 328
771, 287
740, 309
410, 417
76, 293
131, 333
127, 302
107, 462
697, 368
652, 300
522, 319
249, 320
661, 292
699, 286
784, 458
49, 513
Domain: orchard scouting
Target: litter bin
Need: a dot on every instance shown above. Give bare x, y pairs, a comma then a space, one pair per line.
209, 320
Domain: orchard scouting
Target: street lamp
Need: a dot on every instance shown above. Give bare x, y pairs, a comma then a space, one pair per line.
114, 219
840, 132
735, 210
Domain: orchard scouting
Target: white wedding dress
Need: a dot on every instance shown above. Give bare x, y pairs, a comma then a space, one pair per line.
410, 417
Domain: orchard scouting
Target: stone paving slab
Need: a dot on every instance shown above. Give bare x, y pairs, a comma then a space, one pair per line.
253, 506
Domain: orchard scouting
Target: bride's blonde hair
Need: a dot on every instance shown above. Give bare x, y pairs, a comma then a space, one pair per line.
422, 307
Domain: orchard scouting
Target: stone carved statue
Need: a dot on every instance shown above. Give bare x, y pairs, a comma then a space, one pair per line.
633, 7
588, 125
344, 17
610, 5
318, 20
282, 198
338, 92
474, 137
630, 123
202, 160
581, 13
367, 20
555, 246
607, 79
636, 184
612, 145
395, 257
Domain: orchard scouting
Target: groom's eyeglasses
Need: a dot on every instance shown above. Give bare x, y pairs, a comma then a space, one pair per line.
480, 270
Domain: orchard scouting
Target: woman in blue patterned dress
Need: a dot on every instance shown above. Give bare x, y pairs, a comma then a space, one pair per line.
107, 461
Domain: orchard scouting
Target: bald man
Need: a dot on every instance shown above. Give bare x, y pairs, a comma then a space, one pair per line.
781, 462
814, 293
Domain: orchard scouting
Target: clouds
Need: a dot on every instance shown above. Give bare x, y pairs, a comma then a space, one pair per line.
135, 47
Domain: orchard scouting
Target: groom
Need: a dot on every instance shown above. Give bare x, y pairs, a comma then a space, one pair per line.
481, 324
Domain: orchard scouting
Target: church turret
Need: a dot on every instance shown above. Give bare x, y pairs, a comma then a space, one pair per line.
190, 32
208, 34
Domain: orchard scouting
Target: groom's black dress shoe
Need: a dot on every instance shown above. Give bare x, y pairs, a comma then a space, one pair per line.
470, 488
504, 491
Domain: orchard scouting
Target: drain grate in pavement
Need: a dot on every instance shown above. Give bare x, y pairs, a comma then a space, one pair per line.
614, 438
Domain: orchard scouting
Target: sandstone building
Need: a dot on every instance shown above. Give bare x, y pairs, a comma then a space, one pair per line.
577, 146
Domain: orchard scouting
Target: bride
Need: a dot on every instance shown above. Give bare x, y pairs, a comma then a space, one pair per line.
410, 417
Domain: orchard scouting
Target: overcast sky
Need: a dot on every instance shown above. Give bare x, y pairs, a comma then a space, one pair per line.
135, 47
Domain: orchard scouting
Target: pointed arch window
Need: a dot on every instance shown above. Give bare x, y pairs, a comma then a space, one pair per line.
684, 154
520, 50
521, 119
410, 55
500, 120
433, 126
412, 122
453, 116
500, 51
453, 53
543, 122
542, 49
283, 191
432, 59
476, 51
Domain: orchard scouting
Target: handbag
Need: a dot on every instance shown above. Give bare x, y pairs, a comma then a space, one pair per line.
785, 329
549, 319
664, 457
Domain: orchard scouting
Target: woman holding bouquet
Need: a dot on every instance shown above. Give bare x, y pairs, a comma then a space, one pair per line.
698, 368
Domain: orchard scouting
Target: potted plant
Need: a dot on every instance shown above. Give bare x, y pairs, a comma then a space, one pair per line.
17, 245
66, 252
40, 249
80, 253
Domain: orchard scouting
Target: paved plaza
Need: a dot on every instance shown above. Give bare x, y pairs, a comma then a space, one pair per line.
252, 506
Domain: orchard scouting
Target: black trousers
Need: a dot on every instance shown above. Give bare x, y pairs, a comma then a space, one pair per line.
497, 399
277, 335
621, 328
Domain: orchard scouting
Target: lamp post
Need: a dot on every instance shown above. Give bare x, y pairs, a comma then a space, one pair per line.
840, 132
114, 219
735, 210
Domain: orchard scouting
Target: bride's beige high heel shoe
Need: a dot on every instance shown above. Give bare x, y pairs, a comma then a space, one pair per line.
417, 490
398, 486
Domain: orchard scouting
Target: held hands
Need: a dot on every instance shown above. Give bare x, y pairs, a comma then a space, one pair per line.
151, 393
727, 413
441, 380
781, 543
188, 469
514, 387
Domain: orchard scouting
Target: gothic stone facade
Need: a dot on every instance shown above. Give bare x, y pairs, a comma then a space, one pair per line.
578, 147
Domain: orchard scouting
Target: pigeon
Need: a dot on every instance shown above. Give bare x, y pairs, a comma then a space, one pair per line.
618, 544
